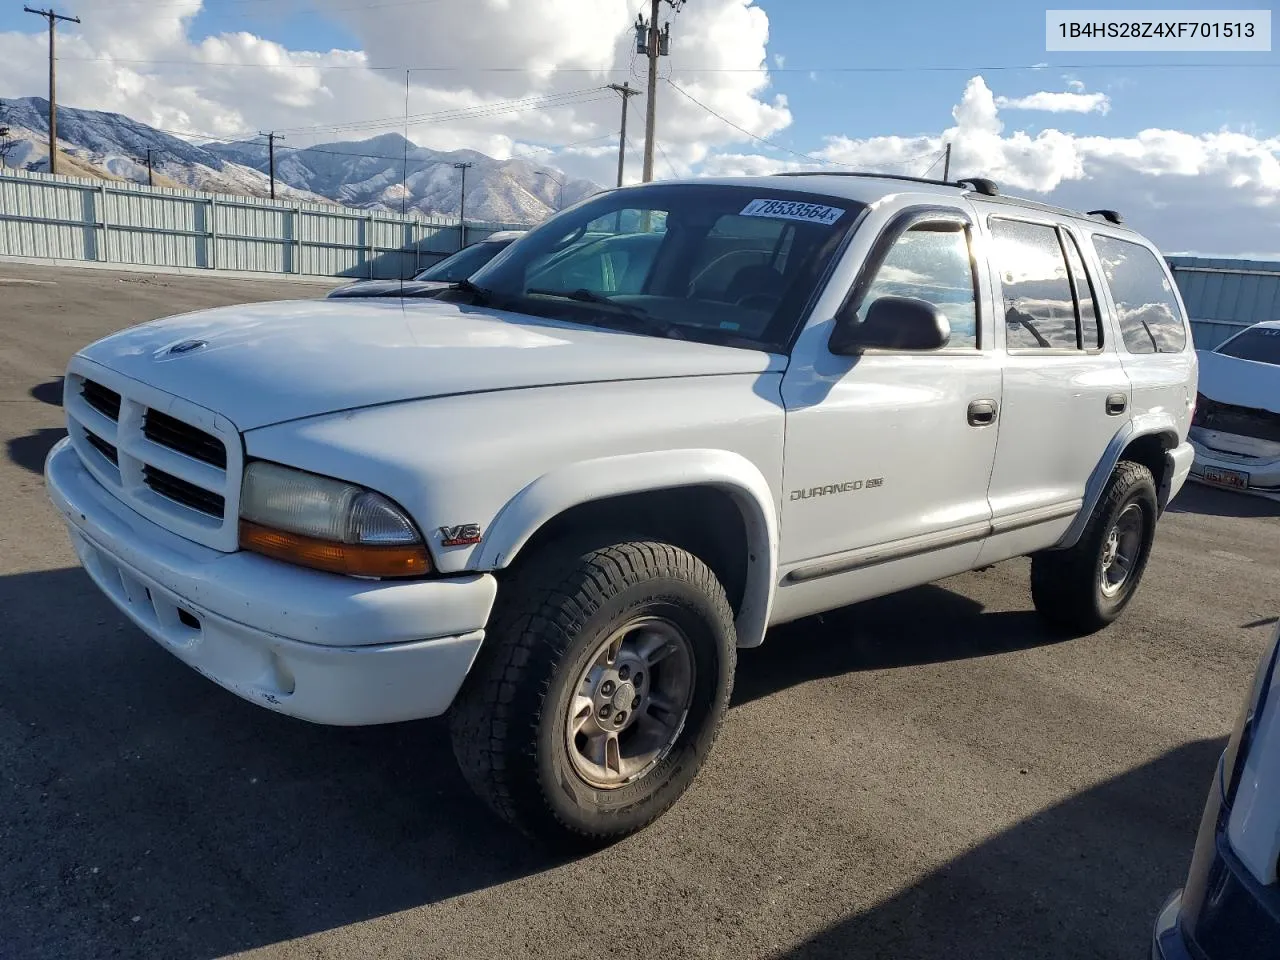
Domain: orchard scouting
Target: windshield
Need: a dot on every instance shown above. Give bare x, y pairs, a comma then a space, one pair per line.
1261, 344
458, 266
736, 265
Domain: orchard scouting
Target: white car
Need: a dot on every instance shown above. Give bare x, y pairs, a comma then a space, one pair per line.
1229, 908
556, 499
1236, 429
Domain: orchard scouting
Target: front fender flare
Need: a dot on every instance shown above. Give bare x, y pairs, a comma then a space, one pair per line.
579, 483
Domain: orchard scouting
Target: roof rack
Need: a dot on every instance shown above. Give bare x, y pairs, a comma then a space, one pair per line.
976, 184
981, 185
1108, 215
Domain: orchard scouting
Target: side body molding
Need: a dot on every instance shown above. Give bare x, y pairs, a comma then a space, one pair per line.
579, 483
1148, 424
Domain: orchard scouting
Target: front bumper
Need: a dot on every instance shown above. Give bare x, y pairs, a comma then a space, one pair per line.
316, 646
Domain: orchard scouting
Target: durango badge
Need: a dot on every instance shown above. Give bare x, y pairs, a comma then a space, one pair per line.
460, 535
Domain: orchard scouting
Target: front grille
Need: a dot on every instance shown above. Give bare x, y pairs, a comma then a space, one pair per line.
180, 491
104, 448
106, 402
1240, 421
195, 443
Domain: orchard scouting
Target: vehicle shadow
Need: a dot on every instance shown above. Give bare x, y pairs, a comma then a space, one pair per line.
1084, 878
1214, 502
49, 392
30, 451
150, 813
928, 624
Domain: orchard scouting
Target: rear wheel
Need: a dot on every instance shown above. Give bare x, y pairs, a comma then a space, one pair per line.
1086, 587
599, 692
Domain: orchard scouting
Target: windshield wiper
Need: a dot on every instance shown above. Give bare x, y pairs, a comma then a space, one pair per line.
646, 321
480, 296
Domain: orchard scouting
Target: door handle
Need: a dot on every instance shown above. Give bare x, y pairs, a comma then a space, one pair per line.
982, 413
1117, 403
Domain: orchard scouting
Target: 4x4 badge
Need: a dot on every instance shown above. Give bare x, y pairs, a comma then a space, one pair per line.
460, 535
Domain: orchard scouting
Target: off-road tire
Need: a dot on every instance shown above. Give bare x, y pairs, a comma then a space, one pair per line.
1066, 584
508, 723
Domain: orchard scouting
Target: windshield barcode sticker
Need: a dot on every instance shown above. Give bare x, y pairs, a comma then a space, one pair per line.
792, 210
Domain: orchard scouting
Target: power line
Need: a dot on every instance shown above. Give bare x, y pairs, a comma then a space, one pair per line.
459, 113
741, 129
762, 69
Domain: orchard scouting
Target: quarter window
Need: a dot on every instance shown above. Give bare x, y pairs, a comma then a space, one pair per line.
1150, 321
931, 262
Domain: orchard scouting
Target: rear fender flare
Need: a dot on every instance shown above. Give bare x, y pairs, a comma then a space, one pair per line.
1142, 425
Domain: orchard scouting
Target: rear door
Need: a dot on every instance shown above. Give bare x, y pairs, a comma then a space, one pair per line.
1066, 394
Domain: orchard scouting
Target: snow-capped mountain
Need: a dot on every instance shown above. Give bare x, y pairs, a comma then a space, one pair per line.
368, 174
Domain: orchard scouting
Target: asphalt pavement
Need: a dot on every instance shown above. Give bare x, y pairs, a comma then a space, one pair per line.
926, 775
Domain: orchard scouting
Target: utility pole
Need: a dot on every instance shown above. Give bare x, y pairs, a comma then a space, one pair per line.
654, 43
627, 94
462, 205
946, 164
147, 161
272, 137
53, 19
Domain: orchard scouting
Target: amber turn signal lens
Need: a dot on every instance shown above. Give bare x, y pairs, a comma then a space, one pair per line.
352, 559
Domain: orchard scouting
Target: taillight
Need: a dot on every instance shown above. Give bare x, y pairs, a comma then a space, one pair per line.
1197, 409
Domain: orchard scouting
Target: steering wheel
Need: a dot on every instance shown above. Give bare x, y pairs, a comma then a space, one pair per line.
762, 301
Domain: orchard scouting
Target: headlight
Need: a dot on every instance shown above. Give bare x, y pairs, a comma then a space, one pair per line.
327, 524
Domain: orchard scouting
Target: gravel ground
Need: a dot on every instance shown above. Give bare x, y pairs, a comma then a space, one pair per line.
924, 775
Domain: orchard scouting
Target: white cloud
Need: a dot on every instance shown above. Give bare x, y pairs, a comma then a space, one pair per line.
1072, 102
779, 61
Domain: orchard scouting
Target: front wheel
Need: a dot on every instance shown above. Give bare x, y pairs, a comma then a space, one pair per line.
1086, 587
599, 692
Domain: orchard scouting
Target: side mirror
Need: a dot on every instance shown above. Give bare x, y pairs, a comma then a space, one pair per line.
893, 323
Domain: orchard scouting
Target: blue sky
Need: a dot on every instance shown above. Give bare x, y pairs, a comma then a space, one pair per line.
865, 85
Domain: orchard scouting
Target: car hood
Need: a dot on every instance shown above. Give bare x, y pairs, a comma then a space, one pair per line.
387, 288
264, 363
1241, 383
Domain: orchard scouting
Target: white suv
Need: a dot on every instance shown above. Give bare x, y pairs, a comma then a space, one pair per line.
554, 499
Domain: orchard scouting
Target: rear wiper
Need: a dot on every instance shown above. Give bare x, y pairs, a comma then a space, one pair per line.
647, 321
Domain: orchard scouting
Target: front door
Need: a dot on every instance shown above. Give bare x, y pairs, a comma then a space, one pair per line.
888, 454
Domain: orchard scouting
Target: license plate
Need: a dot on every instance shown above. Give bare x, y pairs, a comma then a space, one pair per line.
1226, 478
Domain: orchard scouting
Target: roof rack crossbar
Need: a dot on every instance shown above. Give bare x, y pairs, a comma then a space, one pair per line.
976, 184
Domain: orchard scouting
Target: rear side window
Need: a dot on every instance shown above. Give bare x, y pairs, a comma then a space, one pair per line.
1259, 344
1039, 306
1150, 321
